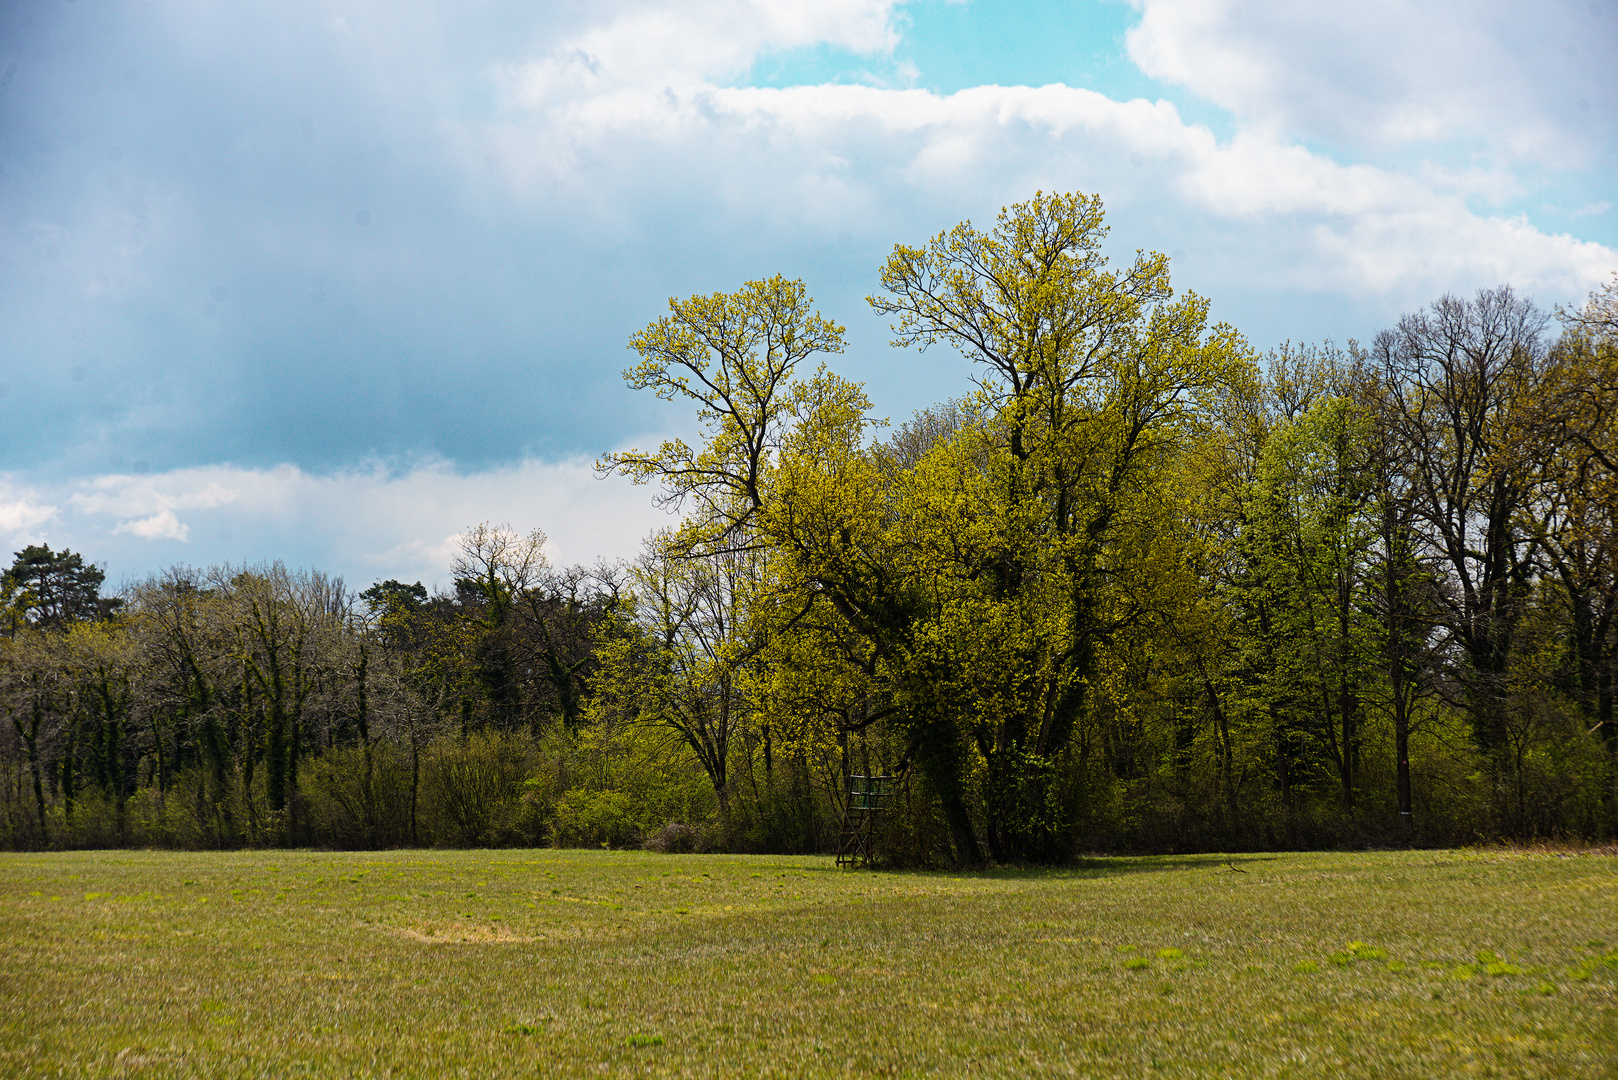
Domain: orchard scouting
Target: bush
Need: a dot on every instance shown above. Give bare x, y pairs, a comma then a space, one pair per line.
787, 814
595, 819
358, 798
472, 792
676, 838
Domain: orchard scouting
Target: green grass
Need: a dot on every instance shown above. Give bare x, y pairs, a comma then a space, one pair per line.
577, 963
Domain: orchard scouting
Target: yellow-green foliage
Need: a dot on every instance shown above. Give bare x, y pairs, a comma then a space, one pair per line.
1128, 589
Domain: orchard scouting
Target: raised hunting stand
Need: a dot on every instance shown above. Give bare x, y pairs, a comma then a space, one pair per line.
868, 796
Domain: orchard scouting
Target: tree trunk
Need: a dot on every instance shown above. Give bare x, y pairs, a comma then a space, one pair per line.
30, 738
1401, 750
967, 852
69, 778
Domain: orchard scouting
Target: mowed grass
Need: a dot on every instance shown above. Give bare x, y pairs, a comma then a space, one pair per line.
517, 963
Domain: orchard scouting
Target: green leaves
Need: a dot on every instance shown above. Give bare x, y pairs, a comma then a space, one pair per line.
733, 355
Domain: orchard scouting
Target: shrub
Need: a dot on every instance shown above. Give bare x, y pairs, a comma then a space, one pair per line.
595, 819
358, 798
676, 838
472, 791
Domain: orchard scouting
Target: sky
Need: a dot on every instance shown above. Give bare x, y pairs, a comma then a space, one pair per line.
330, 282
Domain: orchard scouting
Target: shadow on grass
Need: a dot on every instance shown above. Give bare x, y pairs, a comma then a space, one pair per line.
1092, 867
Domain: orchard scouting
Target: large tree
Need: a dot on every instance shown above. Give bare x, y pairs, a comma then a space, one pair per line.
979, 573
1460, 378
1573, 436
53, 588
1093, 378
1309, 547
734, 356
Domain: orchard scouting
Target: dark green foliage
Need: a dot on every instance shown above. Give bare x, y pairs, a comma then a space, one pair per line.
50, 589
390, 595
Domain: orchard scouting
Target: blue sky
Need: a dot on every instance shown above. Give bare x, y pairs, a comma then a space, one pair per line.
332, 281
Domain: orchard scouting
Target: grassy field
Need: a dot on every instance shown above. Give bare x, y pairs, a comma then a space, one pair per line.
582, 963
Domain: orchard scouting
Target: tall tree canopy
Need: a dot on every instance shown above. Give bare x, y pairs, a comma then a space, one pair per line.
54, 588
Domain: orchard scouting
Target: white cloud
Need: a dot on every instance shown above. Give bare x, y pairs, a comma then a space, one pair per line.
1282, 215
366, 524
693, 43
536, 178
1388, 72
186, 489
22, 513
160, 526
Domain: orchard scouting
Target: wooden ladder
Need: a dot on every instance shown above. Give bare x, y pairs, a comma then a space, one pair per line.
867, 797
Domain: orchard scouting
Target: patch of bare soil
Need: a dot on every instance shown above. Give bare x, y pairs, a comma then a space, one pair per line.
457, 933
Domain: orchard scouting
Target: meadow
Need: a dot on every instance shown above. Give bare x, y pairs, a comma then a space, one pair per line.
550, 962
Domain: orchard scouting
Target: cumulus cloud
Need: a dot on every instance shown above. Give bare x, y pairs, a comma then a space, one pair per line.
22, 512
1260, 210
160, 526
187, 489
436, 236
693, 43
1531, 83
365, 523
1279, 214
298, 239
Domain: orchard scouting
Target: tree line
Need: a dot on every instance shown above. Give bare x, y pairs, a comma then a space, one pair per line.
1137, 587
